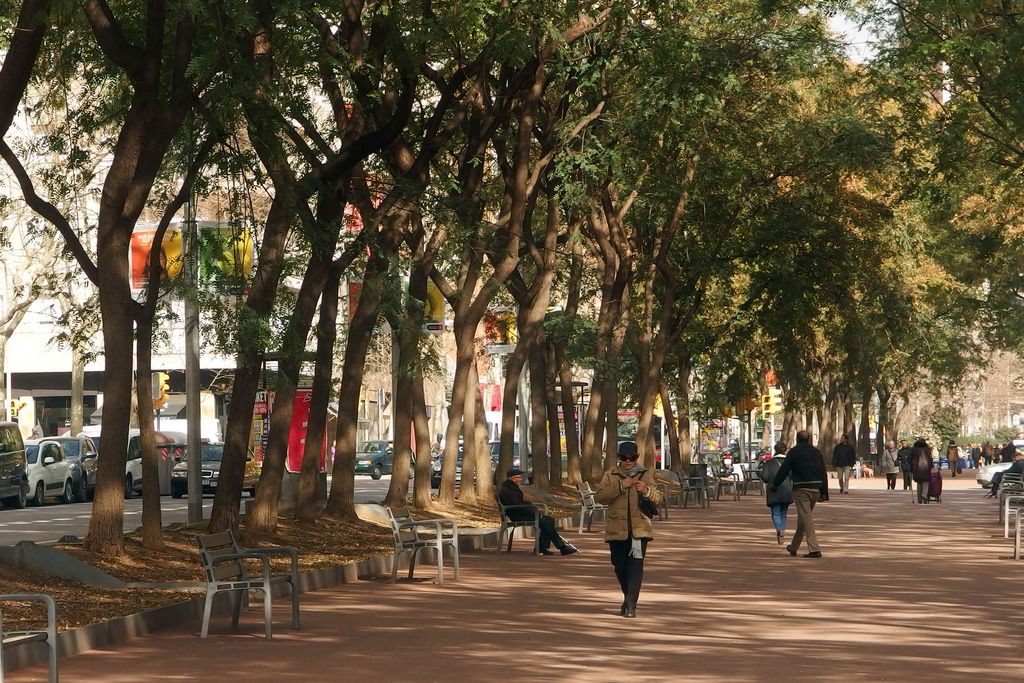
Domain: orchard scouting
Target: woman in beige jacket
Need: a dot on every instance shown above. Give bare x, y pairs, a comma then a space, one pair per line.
628, 530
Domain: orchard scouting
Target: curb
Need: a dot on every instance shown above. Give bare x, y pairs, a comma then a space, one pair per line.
116, 631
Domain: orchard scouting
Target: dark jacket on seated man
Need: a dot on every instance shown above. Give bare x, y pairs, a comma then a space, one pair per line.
511, 494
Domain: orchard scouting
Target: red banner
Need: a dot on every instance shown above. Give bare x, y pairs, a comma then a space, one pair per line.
297, 434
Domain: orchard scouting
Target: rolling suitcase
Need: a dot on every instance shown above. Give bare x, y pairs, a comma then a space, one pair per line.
935, 486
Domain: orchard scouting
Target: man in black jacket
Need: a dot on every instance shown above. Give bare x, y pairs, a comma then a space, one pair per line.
903, 454
511, 494
843, 459
805, 465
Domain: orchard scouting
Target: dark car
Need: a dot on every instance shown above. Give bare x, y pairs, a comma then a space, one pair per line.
212, 454
375, 458
81, 451
13, 480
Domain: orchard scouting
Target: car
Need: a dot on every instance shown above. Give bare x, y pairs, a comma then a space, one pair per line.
496, 453
375, 458
133, 461
48, 473
212, 454
13, 480
986, 472
82, 452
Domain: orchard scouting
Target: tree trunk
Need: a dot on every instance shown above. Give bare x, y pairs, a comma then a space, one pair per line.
538, 413
554, 428
421, 485
864, 438
672, 452
341, 501
484, 485
316, 432
470, 445
828, 416
77, 389
152, 526
683, 415
611, 425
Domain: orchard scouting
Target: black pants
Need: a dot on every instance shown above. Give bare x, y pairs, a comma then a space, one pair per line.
907, 485
548, 535
628, 570
890, 481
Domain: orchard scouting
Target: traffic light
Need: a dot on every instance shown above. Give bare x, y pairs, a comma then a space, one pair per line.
775, 395
766, 404
160, 389
13, 407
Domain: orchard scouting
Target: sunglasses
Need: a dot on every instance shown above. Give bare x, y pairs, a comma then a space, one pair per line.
631, 458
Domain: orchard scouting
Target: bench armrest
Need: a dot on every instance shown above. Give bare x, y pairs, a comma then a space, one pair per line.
439, 525
540, 508
51, 611
290, 552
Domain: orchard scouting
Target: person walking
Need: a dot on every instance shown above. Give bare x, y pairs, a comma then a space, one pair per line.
628, 530
890, 465
778, 499
805, 465
843, 459
906, 466
987, 452
921, 465
510, 493
976, 456
952, 458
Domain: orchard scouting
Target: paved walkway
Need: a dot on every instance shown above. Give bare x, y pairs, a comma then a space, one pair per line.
905, 592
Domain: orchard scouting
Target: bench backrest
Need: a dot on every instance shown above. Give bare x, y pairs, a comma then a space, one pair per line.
212, 546
398, 515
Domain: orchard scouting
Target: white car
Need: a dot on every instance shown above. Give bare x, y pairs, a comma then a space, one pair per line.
49, 474
986, 472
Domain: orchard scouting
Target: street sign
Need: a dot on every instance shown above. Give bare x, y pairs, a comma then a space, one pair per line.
499, 349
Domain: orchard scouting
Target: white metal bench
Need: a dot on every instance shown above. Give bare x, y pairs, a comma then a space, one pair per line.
510, 525
588, 505
415, 535
224, 566
48, 636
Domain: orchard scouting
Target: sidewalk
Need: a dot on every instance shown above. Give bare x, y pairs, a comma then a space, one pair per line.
904, 592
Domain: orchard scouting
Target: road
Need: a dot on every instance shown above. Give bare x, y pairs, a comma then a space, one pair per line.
53, 520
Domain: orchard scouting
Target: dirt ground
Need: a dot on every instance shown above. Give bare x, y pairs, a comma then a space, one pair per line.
904, 592
326, 543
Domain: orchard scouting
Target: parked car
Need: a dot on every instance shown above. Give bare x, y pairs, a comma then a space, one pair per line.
212, 454
133, 462
375, 458
82, 452
496, 453
49, 474
13, 481
986, 472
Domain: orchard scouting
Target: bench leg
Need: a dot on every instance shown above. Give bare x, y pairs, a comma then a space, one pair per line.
455, 557
207, 609
501, 537
295, 602
412, 561
236, 606
536, 537
267, 613
583, 515
394, 565
440, 562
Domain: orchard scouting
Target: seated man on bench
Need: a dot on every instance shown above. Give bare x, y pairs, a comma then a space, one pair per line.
512, 494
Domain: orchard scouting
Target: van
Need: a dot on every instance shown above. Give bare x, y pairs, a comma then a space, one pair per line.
13, 482
169, 445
